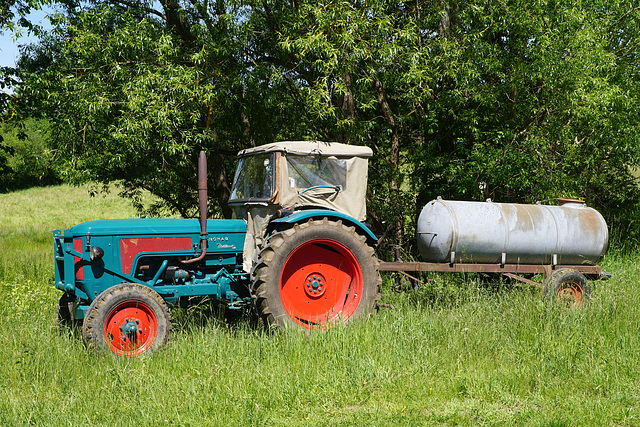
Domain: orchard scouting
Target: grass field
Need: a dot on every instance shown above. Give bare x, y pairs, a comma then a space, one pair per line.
462, 350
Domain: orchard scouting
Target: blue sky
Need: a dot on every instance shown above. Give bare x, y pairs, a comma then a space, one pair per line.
9, 46
8, 51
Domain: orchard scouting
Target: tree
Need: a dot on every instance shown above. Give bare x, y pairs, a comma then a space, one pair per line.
509, 100
133, 97
541, 105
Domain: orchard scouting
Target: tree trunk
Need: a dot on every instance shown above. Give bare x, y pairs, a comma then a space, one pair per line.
348, 108
394, 158
176, 21
221, 183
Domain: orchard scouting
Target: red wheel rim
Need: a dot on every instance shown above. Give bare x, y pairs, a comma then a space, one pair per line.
571, 294
321, 282
130, 328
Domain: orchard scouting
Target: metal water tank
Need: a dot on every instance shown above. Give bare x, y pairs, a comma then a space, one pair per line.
505, 233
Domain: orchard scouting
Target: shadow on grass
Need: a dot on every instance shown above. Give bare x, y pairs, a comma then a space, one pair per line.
209, 313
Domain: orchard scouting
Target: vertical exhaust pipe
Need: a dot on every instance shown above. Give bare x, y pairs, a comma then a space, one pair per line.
202, 193
202, 199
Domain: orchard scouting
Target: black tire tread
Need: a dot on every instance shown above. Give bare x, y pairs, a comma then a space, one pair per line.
92, 327
62, 317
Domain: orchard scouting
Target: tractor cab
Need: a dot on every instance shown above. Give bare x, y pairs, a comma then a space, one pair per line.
297, 175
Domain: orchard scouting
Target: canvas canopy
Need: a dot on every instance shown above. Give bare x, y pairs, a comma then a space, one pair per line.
306, 148
294, 174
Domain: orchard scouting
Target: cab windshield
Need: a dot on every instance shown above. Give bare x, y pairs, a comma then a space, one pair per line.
306, 172
254, 178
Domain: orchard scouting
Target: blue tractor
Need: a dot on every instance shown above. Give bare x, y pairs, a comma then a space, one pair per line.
297, 250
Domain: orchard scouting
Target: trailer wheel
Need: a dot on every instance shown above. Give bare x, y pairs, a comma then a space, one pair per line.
128, 319
567, 287
315, 274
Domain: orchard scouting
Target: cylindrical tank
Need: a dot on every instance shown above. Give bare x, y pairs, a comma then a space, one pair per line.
507, 233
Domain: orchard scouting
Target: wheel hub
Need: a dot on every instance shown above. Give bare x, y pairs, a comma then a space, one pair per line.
130, 329
571, 294
315, 285
321, 282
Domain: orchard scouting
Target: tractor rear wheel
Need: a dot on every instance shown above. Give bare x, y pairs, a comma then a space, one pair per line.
567, 287
127, 319
315, 274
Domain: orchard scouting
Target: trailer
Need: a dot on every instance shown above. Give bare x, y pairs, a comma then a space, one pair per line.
564, 243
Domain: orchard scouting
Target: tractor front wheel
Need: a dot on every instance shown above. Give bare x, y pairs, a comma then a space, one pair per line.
128, 319
63, 315
315, 274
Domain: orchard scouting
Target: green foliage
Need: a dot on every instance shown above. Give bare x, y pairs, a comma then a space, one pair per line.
5, 152
530, 101
131, 101
26, 159
512, 101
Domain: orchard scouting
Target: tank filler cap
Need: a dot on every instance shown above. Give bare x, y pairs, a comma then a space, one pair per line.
571, 202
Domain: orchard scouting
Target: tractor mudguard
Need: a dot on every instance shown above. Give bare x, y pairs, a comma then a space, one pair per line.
305, 215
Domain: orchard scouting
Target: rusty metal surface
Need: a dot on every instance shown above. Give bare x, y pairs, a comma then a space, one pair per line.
202, 191
202, 201
483, 268
523, 279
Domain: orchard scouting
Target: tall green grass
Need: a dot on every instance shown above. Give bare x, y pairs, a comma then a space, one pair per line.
461, 350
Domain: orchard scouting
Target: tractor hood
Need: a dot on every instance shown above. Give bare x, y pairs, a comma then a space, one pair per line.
153, 226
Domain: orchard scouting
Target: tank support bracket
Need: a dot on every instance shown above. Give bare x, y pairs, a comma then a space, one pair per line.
522, 279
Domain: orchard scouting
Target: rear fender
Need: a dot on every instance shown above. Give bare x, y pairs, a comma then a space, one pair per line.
306, 215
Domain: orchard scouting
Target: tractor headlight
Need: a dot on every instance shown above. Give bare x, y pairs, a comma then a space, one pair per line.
96, 252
